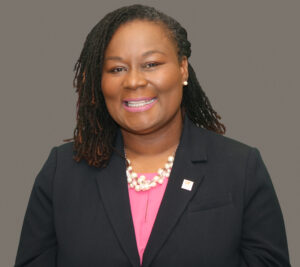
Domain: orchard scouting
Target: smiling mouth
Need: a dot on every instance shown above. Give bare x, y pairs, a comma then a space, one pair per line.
139, 103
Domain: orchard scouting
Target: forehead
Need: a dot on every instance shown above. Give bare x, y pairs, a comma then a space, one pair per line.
139, 35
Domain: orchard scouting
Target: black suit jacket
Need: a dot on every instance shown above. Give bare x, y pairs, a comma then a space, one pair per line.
79, 216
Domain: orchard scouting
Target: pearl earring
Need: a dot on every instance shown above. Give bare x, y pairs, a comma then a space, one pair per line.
185, 83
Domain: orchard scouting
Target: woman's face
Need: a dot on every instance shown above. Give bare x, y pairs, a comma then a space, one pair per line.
142, 78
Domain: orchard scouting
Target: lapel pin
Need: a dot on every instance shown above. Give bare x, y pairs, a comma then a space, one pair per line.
187, 184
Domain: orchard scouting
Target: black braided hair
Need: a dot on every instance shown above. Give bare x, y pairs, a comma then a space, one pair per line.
96, 130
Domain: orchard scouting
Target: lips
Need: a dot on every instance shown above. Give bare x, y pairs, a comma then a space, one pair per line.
139, 104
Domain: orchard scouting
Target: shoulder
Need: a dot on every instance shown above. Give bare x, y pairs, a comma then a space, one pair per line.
65, 150
221, 142
61, 159
237, 161
65, 157
220, 146
226, 156
62, 173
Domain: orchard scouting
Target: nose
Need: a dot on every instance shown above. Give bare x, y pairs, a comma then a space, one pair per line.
134, 79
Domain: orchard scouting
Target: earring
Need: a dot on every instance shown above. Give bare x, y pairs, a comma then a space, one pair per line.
185, 83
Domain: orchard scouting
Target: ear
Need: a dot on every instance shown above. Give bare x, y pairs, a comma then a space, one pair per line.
184, 68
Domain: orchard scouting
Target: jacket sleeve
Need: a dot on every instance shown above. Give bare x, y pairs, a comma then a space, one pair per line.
37, 246
264, 240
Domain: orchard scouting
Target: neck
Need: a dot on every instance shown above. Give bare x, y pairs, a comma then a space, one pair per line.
162, 141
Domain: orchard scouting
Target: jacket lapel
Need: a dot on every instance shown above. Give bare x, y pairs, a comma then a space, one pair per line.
188, 164
112, 184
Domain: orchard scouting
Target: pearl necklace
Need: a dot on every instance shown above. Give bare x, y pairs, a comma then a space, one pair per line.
140, 183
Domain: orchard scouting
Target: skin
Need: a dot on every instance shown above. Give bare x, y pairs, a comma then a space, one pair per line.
141, 61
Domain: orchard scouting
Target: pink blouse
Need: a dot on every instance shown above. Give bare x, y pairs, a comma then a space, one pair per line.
144, 208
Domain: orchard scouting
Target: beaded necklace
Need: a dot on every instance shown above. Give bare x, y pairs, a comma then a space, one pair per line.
140, 183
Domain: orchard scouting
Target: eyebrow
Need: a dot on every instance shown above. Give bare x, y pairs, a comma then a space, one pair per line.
148, 53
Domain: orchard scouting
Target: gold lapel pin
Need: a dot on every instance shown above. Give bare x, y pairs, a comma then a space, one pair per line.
187, 184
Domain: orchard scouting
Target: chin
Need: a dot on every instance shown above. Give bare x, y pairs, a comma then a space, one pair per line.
140, 128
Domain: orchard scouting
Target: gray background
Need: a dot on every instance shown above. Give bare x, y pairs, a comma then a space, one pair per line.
246, 55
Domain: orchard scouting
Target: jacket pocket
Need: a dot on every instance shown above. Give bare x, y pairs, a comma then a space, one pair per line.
210, 202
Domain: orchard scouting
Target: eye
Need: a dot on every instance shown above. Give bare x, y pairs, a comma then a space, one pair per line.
150, 65
117, 70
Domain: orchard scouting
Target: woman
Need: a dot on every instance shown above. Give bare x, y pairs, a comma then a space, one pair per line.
149, 179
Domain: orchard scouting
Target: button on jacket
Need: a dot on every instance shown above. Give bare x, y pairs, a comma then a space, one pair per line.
79, 216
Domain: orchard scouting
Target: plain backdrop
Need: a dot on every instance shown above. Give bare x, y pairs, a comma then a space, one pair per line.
246, 56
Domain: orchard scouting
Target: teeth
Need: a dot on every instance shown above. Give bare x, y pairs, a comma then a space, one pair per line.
136, 104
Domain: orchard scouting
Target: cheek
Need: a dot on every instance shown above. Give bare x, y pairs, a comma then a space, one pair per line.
110, 90
168, 80
169, 86
170, 100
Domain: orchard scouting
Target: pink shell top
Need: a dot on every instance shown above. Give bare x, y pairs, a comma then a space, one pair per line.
144, 208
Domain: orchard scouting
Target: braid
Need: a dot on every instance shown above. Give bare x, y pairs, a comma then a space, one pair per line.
197, 105
95, 130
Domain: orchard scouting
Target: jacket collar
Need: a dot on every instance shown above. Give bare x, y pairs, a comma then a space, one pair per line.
193, 141
113, 188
